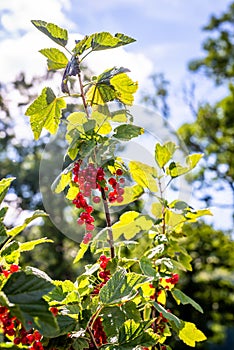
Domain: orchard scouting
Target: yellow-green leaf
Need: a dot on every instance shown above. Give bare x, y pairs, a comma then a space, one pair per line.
55, 58
99, 94
81, 252
27, 246
130, 224
156, 210
54, 32
64, 180
124, 87
103, 127
193, 159
190, 334
76, 121
144, 175
163, 153
45, 112
192, 216
73, 191
16, 230
4, 185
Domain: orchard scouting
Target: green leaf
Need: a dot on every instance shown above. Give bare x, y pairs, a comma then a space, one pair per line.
190, 334
124, 87
26, 292
163, 153
45, 112
4, 185
113, 318
133, 334
101, 41
117, 290
54, 32
144, 175
126, 132
11, 252
104, 40
146, 267
81, 252
3, 232
120, 288
66, 324
110, 85
184, 299
27, 246
55, 58
130, 224
16, 230
168, 315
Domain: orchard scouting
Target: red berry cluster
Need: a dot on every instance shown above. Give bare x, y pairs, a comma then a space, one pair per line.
13, 328
156, 293
173, 279
13, 268
89, 179
98, 332
160, 324
103, 274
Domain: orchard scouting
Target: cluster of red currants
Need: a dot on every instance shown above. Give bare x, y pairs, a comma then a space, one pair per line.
90, 179
104, 274
160, 324
13, 268
98, 332
173, 279
12, 327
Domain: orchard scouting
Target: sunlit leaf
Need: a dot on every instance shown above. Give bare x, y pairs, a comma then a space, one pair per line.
190, 334
124, 87
4, 186
27, 246
110, 85
72, 191
193, 159
45, 112
103, 127
62, 182
144, 175
55, 58
81, 252
54, 32
163, 153
101, 41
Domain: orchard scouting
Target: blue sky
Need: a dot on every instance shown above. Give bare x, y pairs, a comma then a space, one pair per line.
168, 34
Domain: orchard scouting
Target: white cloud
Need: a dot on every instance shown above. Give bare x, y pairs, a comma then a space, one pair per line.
140, 66
17, 14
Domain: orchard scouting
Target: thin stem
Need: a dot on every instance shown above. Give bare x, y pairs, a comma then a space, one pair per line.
108, 222
82, 91
163, 208
92, 337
